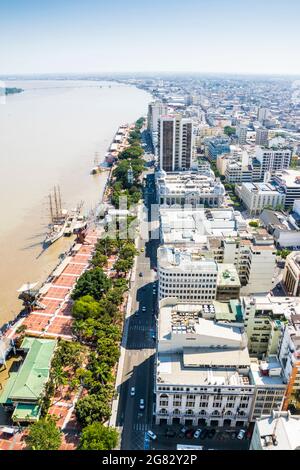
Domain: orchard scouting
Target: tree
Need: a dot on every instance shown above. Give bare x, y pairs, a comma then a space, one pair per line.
86, 307
98, 437
132, 152
44, 435
254, 224
93, 282
93, 408
228, 130
123, 266
99, 260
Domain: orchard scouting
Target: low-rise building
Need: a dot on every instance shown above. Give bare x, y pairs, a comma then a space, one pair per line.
228, 283
283, 227
278, 431
189, 188
258, 196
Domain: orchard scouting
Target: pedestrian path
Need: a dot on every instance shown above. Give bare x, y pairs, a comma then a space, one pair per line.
140, 427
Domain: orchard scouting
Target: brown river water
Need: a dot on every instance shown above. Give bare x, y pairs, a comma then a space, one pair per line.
49, 135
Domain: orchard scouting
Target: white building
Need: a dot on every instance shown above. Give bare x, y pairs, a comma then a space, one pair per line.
186, 275
201, 371
175, 143
273, 159
257, 196
289, 182
155, 110
279, 431
189, 188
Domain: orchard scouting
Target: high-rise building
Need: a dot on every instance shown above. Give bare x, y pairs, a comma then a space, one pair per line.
175, 143
155, 110
262, 137
273, 159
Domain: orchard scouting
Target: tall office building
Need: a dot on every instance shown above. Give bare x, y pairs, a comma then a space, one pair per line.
155, 110
262, 137
175, 143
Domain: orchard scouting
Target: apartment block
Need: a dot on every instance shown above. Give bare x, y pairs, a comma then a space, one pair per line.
175, 143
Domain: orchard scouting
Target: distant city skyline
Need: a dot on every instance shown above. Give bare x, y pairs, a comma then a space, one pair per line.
75, 36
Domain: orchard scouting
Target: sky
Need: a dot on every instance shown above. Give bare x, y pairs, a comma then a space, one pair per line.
103, 36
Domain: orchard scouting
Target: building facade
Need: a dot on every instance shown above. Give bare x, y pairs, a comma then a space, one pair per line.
175, 143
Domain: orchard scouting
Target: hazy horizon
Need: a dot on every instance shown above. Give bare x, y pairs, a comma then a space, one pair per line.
172, 37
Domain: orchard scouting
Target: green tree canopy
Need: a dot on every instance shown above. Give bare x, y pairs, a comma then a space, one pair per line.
228, 130
98, 437
44, 435
86, 307
132, 152
93, 282
93, 408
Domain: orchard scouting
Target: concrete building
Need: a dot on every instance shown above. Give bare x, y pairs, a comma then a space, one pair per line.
201, 371
186, 275
264, 322
273, 159
155, 110
269, 384
189, 188
278, 431
204, 375
283, 227
289, 182
217, 146
175, 143
291, 275
262, 137
228, 283
258, 196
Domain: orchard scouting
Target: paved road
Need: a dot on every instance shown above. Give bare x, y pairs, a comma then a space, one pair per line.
140, 348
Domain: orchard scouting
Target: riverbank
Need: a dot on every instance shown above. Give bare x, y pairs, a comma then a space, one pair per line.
49, 136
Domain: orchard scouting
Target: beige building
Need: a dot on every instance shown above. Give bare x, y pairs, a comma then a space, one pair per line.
291, 275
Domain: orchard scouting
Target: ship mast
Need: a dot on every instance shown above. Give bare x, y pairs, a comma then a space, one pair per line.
59, 201
51, 208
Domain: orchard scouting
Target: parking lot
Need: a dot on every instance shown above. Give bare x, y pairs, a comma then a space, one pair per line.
211, 439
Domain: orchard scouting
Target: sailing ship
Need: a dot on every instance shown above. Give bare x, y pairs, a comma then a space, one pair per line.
59, 218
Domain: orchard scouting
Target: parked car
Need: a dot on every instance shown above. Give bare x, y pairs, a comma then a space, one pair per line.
233, 435
141, 274
132, 391
189, 434
152, 435
241, 434
197, 433
144, 309
211, 433
142, 404
170, 433
182, 432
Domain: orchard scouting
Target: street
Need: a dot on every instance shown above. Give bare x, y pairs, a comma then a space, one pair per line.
140, 346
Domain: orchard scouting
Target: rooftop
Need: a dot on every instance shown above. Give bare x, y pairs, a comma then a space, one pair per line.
284, 427
28, 383
183, 260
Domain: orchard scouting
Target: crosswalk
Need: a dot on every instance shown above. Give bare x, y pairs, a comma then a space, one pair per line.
140, 427
139, 328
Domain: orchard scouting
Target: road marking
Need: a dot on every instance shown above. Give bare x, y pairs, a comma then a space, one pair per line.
140, 427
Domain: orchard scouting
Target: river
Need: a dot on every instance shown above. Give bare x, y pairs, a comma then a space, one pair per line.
49, 135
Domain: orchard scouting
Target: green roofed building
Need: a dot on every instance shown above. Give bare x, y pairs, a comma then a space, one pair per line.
25, 388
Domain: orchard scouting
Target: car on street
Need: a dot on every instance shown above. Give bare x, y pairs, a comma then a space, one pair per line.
197, 433
132, 391
233, 435
153, 337
144, 309
142, 250
211, 433
141, 274
189, 434
142, 404
152, 435
241, 434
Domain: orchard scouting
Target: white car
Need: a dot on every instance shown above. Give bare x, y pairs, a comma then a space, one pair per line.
142, 404
132, 391
241, 434
197, 433
144, 309
152, 435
